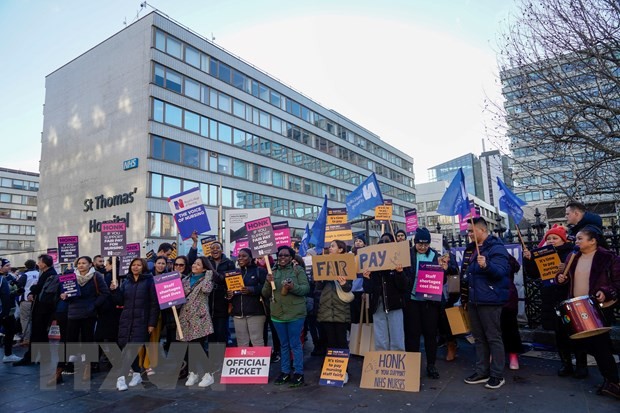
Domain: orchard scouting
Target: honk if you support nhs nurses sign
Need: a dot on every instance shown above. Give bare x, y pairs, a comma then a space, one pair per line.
189, 213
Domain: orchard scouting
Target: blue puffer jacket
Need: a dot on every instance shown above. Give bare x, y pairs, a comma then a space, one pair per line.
489, 286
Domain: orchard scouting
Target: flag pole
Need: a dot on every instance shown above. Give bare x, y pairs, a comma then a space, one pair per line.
520, 237
474, 232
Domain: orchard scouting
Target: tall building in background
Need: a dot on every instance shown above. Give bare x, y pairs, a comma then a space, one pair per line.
493, 165
157, 109
471, 169
18, 214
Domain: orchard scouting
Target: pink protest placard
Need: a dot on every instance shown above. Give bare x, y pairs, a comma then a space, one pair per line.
282, 232
429, 284
169, 289
411, 221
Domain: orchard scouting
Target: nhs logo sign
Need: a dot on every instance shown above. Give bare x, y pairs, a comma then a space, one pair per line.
130, 164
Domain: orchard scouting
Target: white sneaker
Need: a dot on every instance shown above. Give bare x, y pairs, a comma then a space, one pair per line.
120, 384
135, 380
11, 359
346, 378
192, 379
206, 381
73, 358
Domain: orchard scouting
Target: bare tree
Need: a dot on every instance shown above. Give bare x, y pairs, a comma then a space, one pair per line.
560, 70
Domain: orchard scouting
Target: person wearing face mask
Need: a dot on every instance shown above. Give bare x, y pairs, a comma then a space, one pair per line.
248, 311
288, 313
82, 309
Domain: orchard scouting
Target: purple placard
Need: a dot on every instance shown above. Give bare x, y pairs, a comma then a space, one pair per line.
169, 288
113, 238
429, 285
69, 285
282, 233
411, 221
68, 249
131, 251
261, 237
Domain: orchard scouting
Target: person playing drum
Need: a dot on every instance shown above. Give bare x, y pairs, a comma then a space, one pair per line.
595, 271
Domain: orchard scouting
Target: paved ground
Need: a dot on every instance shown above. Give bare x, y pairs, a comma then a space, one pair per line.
533, 388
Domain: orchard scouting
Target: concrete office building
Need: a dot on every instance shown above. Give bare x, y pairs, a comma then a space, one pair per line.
18, 214
157, 109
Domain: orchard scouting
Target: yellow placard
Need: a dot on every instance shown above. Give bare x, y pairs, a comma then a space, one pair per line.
340, 232
234, 281
391, 370
547, 261
383, 256
336, 216
334, 368
328, 267
383, 213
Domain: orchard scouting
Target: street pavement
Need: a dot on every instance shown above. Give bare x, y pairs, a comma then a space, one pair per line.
535, 387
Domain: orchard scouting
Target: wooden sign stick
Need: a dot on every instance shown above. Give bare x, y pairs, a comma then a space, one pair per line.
113, 258
177, 322
273, 284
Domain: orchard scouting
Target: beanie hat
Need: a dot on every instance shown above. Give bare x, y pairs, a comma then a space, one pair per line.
422, 235
5, 262
556, 229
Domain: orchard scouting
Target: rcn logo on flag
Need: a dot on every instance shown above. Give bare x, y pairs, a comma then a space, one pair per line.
369, 191
364, 197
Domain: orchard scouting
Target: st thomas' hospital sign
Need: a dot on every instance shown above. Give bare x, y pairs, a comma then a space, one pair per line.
102, 201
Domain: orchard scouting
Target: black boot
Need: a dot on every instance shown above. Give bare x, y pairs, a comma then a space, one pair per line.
567, 364
581, 371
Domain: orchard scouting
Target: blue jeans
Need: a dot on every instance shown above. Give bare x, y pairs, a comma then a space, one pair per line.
388, 329
289, 334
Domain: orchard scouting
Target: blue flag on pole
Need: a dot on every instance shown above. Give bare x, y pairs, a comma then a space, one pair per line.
304, 244
509, 202
318, 229
364, 197
455, 200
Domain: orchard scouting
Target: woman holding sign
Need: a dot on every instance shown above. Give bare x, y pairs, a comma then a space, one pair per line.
288, 313
248, 311
195, 319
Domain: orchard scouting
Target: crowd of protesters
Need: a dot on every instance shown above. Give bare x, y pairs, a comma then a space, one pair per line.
284, 298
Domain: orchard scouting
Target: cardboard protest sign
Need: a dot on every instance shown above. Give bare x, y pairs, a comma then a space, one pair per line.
68, 249
336, 216
328, 267
334, 367
113, 238
282, 233
246, 365
548, 263
261, 237
411, 221
206, 243
234, 281
429, 284
340, 232
383, 256
169, 289
131, 251
391, 370
458, 320
189, 213
69, 285
384, 212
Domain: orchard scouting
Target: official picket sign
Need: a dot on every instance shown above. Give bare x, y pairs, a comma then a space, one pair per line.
383, 256
113, 238
336, 216
548, 263
68, 249
334, 367
169, 289
206, 243
261, 238
429, 285
246, 365
328, 267
391, 370
189, 213
384, 212
340, 232
69, 285
234, 281
131, 251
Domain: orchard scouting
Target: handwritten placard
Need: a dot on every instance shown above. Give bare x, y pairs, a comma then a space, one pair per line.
329, 267
383, 256
391, 370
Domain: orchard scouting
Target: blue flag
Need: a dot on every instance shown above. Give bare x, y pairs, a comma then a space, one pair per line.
509, 202
455, 200
318, 229
364, 197
304, 244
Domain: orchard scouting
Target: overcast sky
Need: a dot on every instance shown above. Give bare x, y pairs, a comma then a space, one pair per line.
414, 72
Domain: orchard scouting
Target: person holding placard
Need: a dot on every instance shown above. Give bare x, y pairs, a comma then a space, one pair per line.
334, 313
595, 272
288, 313
387, 289
421, 314
138, 297
82, 308
195, 318
248, 311
218, 304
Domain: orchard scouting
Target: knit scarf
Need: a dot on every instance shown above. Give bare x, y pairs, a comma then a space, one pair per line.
83, 279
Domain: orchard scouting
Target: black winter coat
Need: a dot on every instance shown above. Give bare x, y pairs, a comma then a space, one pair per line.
140, 309
86, 304
218, 304
390, 285
250, 304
